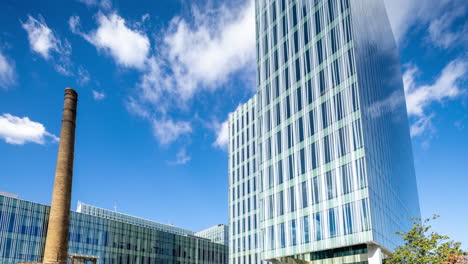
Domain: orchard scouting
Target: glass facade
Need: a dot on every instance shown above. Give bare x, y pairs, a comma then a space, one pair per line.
333, 158
244, 185
23, 227
112, 215
217, 234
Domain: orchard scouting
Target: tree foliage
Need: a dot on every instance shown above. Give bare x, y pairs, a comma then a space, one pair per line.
423, 246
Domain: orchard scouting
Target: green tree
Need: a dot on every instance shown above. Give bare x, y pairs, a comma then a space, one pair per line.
423, 246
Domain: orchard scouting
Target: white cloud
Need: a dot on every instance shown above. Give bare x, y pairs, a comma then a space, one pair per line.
204, 54
129, 48
7, 72
422, 125
195, 56
74, 24
442, 32
222, 136
181, 158
18, 131
447, 86
167, 131
104, 4
419, 98
200, 55
46, 43
42, 39
98, 95
83, 77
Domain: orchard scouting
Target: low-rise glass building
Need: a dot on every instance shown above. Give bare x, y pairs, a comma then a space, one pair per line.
23, 227
217, 234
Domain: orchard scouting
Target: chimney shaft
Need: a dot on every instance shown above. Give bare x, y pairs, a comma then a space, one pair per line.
59, 219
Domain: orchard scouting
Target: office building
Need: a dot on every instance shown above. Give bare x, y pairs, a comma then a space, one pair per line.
217, 234
320, 160
120, 217
111, 238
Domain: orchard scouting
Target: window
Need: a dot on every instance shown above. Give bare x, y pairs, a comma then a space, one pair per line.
280, 172
300, 127
316, 193
328, 148
336, 73
305, 227
289, 135
275, 60
273, 11
285, 44
283, 5
298, 70
320, 51
304, 195
268, 149
357, 136
277, 86
280, 200
334, 39
365, 215
339, 106
361, 173
270, 206
282, 235
291, 166
275, 35
286, 78
312, 127
351, 69
302, 164
347, 28
308, 69
332, 222
313, 156
288, 107
270, 177
271, 232
296, 42
322, 83
343, 141
265, 44
347, 179
318, 227
326, 120
332, 10
348, 219
318, 22
331, 184
278, 114
293, 233
299, 99
355, 98
292, 200
278, 142
294, 15
306, 33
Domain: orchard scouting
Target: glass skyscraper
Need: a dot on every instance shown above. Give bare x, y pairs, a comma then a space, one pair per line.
320, 160
112, 237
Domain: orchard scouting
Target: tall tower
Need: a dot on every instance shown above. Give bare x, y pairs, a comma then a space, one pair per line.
334, 164
57, 233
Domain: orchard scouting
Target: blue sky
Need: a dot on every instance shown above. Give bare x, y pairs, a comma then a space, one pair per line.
156, 81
